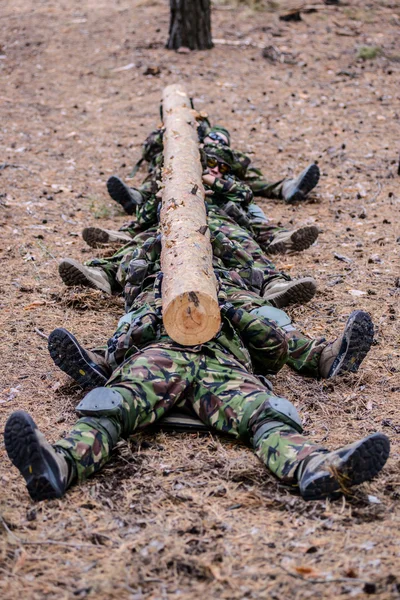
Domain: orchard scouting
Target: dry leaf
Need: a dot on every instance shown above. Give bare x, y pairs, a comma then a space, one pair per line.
35, 304
303, 570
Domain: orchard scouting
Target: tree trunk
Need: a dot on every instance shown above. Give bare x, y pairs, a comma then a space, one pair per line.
190, 25
189, 289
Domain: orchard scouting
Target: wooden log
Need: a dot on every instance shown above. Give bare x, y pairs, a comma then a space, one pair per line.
190, 305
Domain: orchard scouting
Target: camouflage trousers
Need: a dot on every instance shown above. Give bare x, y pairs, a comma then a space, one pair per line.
261, 187
219, 389
110, 265
244, 238
303, 352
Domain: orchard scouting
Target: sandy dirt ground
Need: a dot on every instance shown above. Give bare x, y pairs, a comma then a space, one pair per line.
190, 516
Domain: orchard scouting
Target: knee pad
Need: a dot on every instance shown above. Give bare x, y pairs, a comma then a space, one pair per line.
101, 402
272, 414
277, 315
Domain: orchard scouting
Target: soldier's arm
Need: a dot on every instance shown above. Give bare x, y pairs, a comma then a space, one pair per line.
265, 341
136, 329
147, 213
235, 257
143, 262
229, 189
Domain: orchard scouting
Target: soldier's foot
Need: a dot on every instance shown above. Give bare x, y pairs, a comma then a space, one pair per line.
349, 350
73, 273
95, 237
45, 470
86, 368
127, 197
295, 190
327, 475
293, 241
281, 292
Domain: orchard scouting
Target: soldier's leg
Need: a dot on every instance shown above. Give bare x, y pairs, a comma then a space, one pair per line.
278, 240
315, 357
96, 237
128, 197
263, 188
139, 393
98, 273
319, 358
232, 401
290, 190
143, 389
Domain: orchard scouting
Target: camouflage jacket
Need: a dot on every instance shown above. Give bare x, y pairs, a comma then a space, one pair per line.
246, 337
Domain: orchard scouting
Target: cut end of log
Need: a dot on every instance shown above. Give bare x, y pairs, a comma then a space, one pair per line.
192, 318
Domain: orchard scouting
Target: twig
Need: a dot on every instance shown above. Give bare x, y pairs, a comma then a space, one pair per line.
308, 580
5, 165
43, 335
45, 250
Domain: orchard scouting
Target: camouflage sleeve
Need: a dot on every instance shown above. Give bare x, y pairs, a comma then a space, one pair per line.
137, 329
265, 342
235, 257
143, 262
147, 213
231, 189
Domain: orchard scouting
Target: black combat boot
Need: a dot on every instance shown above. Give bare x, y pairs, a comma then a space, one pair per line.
47, 472
87, 368
293, 241
330, 474
295, 190
73, 273
126, 196
281, 291
348, 351
95, 237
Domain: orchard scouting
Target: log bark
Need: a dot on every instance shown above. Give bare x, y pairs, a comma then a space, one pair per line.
190, 25
190, 305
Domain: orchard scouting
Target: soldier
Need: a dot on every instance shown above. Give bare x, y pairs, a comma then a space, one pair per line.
216, 380
227, 195
241, 281
291, 190
222, 164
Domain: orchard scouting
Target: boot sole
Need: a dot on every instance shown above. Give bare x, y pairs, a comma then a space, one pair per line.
307, 183
299, 293
299, 240
70, 357
72, 274
366, 461
357, 340
119, 192
26, 453
97, 238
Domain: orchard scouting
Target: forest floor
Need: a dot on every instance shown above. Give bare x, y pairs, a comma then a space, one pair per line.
193, 516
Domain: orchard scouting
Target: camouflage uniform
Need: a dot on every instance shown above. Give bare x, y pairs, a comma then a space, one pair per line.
110, 265
214, 379
241, 280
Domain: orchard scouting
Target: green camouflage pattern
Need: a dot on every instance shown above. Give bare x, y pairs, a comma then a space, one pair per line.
110, 265
224, 395
282, 451
260, 186
221, 152
218, 222
304, 353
